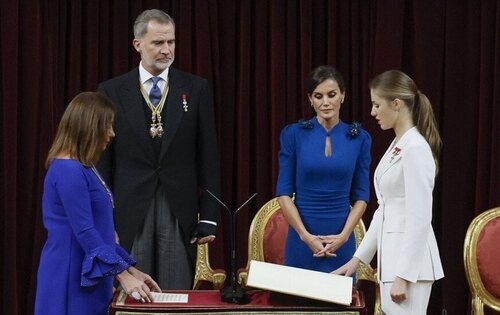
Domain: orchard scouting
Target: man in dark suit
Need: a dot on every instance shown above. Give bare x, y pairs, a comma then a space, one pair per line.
163, 159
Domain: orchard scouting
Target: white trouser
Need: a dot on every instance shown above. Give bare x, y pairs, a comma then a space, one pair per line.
416, 304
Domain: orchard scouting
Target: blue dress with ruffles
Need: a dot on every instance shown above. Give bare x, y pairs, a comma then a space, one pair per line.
324, 187
80, 257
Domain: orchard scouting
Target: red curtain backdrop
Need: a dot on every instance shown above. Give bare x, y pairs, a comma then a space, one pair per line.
256, 55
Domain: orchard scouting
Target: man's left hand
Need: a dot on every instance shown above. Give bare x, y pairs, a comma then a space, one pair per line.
204, 233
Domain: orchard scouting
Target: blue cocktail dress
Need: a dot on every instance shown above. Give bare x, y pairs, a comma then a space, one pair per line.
324, 187
80, 256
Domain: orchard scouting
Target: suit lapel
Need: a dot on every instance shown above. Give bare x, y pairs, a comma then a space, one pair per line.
384, 164
174, 110
391, 158
133, 103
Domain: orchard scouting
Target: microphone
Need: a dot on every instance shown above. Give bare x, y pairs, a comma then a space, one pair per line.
233, 292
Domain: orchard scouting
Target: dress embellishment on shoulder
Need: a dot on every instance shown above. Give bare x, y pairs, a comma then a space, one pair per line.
305, 124
354, 129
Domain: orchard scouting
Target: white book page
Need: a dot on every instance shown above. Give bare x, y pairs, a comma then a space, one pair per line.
301, 282
169, 297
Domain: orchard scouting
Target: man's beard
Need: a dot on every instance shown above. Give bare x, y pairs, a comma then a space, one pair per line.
164, 65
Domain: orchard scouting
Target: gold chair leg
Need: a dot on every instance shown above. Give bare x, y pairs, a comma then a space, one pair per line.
378, 306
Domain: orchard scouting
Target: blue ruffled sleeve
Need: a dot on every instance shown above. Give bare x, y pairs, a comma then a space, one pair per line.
285, 185
104, 261
102, 256
360, 188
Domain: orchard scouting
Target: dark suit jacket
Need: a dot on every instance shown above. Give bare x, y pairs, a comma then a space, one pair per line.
187, 164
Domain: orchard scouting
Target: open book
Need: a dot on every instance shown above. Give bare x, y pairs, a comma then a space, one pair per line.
301, 282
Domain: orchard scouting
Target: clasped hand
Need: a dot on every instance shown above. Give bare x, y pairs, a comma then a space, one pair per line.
324, 245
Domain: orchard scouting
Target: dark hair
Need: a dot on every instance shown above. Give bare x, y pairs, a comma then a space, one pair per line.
142, 21
321, 74
394, 84
83, 127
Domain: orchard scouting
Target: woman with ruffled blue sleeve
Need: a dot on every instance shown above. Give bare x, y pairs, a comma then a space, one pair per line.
325, 164
81, 257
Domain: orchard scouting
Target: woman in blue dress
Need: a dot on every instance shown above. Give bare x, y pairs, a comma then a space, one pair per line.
324, 163
81, 258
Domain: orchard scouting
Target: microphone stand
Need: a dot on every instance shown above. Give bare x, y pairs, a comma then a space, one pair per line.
233, 292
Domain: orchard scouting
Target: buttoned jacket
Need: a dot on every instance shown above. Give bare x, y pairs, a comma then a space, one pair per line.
401, 231
187, 163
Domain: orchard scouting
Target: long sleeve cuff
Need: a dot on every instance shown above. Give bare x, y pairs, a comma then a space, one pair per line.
102, 262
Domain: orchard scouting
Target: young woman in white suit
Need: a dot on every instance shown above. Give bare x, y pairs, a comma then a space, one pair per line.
401, 231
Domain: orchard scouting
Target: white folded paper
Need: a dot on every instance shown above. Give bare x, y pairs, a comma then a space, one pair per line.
169, 297
301, 282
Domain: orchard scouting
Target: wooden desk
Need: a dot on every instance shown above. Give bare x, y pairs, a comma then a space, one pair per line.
260, 302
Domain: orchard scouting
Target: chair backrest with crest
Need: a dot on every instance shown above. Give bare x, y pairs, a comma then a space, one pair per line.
481, 259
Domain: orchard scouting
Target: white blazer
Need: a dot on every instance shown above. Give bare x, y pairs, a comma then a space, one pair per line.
401, 231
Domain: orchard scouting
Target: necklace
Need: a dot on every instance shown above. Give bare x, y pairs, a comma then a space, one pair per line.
110, 194
156, 129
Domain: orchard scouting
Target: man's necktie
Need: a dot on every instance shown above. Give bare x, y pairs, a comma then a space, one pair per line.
155, 93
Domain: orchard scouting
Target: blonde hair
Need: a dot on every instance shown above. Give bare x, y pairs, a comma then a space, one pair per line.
83, 127
394, 84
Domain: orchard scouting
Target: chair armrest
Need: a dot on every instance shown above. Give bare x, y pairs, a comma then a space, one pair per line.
204, 272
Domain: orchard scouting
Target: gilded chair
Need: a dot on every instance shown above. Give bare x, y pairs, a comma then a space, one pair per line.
266, 242
204, 272
481, 257
366, 272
